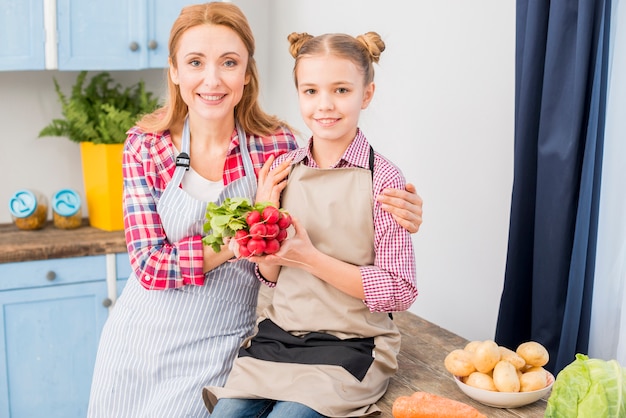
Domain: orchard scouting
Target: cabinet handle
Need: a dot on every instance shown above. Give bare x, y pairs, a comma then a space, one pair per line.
153, 44
107, 302
51, 275
134, 46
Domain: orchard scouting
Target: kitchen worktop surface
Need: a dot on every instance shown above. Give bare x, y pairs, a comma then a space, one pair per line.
51, 242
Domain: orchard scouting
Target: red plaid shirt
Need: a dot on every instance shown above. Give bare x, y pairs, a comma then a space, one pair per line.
148, 166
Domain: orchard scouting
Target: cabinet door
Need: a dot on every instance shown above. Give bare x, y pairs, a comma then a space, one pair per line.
115, 35
100, 35
22, 35
161, 16
48, 343
123, 270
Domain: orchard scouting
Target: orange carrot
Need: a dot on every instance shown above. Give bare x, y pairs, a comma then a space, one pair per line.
428, 405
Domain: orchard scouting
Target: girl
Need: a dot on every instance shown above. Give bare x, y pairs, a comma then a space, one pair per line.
327, 345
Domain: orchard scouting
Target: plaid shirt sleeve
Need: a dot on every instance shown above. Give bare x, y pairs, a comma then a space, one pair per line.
148, 165
389, 284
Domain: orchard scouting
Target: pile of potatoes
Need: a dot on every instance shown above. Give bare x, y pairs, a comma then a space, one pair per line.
486, 365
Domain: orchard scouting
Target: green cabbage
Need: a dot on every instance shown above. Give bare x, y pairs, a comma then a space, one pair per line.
588, 388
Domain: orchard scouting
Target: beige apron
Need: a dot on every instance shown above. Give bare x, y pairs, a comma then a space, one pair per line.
335, 207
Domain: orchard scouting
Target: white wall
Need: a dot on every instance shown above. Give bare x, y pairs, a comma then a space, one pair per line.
443, 112
28, 103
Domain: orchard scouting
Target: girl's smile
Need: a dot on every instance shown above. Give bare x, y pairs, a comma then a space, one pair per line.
332, 94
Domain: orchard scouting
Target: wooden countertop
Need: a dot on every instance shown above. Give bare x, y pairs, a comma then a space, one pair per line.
50, 242
424, 348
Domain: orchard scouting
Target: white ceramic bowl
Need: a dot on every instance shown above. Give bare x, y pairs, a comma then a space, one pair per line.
504, 399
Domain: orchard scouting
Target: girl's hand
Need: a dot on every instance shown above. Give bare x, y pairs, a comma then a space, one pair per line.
404, 205
271, 183
295, 251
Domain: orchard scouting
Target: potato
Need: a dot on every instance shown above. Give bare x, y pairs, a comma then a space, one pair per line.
481, 381
533, 369
533, 353
512, 357
459, 363
471, 346
486, 356
533, 381
505, 377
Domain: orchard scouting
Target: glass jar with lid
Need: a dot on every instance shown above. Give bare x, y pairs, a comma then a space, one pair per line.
66, 209
29, 209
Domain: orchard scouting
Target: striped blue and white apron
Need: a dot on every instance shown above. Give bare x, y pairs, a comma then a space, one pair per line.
160, 347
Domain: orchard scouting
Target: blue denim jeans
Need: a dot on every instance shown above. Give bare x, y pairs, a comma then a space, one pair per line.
261, 408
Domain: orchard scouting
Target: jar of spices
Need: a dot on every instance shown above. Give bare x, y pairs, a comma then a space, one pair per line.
29, 209
66, 213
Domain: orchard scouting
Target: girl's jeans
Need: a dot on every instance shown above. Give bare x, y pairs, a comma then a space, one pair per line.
261, 408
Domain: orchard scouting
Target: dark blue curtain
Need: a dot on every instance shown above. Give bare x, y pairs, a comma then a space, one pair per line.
560, 89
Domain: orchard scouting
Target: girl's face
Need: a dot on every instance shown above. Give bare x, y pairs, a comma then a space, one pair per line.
211, 71
331, 95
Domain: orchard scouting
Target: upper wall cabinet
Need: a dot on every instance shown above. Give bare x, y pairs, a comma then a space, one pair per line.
114, 35
22, 35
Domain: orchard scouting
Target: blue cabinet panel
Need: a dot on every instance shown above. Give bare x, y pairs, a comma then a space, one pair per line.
123, 271
49, 342
22, 35
52, 272
123, 265
116, 34
161, 16
96, 35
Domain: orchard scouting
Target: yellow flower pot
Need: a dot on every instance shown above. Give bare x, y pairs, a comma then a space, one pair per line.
102, 178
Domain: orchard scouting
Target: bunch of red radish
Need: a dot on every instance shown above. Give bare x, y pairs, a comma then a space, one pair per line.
265, 231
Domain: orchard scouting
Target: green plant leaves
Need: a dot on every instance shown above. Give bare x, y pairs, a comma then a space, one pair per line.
101, 111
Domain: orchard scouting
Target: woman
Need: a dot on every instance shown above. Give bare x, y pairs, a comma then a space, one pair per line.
186, 309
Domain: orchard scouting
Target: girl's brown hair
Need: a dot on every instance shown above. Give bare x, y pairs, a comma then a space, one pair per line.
248, 112
363, 51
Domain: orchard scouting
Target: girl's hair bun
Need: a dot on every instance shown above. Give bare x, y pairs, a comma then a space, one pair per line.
296, 40
373, 43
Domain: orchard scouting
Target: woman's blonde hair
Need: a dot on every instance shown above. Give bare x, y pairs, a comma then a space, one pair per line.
248, 112
363, 51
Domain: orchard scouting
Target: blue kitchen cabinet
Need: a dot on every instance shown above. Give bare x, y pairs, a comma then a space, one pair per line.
123, 271
116, 34
52, 313
22, 35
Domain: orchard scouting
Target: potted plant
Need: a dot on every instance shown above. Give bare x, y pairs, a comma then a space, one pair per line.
97, 115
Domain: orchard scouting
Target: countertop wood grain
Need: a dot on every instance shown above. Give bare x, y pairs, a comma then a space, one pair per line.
51, 242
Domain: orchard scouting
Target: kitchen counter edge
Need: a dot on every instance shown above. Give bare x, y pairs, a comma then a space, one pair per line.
50, 242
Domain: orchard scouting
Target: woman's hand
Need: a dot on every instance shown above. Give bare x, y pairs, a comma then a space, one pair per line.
404, 205
271, 183
213, 259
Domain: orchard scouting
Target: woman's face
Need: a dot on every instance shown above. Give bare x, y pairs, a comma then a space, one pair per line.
211, 71
331, 95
